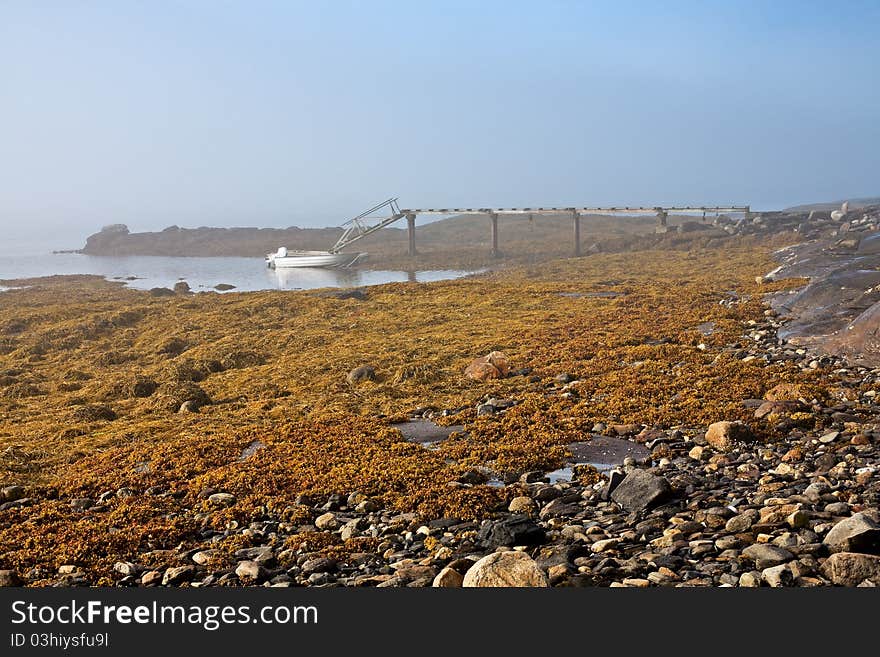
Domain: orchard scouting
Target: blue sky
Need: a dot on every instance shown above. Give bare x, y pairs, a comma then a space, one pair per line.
302, 113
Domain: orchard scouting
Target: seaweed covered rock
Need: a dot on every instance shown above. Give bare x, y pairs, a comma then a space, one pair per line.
785, 392
173, 347
140, 386
172, 396
184, 370
241, 359
93, 413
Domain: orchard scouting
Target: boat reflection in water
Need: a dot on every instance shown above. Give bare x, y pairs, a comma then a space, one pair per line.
301, 278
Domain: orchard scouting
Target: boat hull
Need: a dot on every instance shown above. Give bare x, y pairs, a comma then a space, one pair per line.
312, 259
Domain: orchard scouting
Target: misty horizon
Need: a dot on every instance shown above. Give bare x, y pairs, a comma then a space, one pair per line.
289, 114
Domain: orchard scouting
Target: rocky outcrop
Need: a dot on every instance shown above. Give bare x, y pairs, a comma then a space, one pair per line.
116, 240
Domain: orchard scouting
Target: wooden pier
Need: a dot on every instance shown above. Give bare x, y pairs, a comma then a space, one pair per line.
361, 226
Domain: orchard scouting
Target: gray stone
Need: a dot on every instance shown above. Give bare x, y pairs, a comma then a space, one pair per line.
222, 499
261, 554
505, 569
326, 521
858, 533
816, 490
750, 579
250, 571
189, 406
522, 504
640, 490
557, 508
177, 575
202, 557
362, 373
11, 493
837, 508
126, 568
81, 503
485, 409
318, 565
767, 556
778, 576
742, 522
514, 530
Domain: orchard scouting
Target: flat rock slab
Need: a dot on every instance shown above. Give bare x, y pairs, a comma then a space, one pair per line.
606, 450
425, 431
640, 490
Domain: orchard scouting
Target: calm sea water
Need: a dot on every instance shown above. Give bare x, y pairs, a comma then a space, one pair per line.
202, 274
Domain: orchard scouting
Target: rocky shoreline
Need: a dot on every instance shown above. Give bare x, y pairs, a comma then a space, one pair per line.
710, 506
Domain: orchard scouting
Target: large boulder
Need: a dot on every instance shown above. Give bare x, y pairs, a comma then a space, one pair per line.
640, 490
724, 436
514, 530
240, 359
505, 569
858, 533
93, 413
492, 366
171, 396
851, 569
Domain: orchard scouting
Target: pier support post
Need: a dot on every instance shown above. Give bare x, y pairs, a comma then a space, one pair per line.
576, 222
661, 221
411, 233
493, 218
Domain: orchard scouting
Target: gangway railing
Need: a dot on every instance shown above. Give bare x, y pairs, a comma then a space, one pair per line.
361, 225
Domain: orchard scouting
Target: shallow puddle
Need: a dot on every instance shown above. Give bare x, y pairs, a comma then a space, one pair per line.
606, 450
425, 432
251, 449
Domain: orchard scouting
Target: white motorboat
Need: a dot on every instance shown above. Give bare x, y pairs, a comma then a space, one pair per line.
283, 258
352, 231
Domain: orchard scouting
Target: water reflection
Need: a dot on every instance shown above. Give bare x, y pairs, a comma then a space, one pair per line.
304, 278
203, 274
